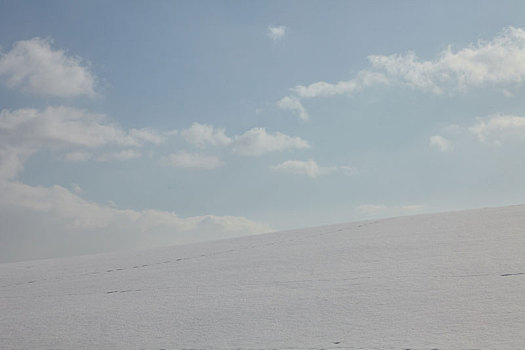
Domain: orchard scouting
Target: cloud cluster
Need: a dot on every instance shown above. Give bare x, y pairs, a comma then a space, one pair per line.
253, 142
62, 126
34, 66
499, 62
40, 222
25, 131
58, 221
66, 127
311, 168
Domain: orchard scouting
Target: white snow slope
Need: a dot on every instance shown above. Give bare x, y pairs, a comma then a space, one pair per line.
440, 281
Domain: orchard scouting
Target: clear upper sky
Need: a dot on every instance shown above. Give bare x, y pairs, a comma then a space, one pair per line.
131, 124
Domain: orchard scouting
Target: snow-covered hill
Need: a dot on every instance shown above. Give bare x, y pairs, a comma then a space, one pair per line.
440, 281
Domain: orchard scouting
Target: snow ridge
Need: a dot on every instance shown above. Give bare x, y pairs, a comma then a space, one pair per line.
438, 281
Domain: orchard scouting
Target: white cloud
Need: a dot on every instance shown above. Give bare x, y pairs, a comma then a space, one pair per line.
26, 131
441, 143
276, 32
184, 159
257, 141
34, 66
324, 89
408, 70
309, 168
60, 126
202, 135
63, 126
498, 62
499, 128
293, 104
48, 221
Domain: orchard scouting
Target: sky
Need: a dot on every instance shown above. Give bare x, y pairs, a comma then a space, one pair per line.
135, 124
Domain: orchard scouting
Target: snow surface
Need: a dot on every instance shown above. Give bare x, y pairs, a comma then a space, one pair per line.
440, 281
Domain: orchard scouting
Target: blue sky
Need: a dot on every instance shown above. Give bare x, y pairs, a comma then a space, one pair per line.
128, 124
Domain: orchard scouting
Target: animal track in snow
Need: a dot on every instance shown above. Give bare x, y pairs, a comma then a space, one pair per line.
512, 274
123, 291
